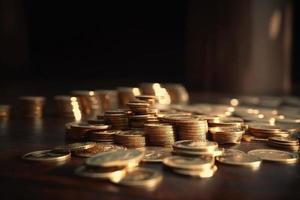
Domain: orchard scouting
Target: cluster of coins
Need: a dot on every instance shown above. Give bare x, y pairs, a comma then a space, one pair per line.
138, 121
226, 135
284, 143
197, 148
130, 139
117, 119
32, 106
159, 134
265, 131
201, 166
127, 94
120, 167
187, 127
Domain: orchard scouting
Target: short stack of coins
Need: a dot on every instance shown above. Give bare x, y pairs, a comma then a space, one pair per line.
138, 121
32, 106
151, 99
159, 134
126, 94
197, 148
226, 135
201, 166
139, 107
89, 103
265, 131
66, 105
130, 139
285, 143
118, 121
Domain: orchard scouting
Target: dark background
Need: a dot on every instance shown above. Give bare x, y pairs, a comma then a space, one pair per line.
115, 42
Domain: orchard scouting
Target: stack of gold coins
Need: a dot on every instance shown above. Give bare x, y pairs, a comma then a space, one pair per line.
111, 165
266, 131
118, 121
227, 122
138, 121
239, 158
277, 156
130, 139
80, 131
108, 99
139, 107
159, 134
226, 135
32, 106
66, 105
89, 103
187, 127
127, 94
285, 143
197, 148
178, 93
102, 136
98, 148
4, 111
201, 166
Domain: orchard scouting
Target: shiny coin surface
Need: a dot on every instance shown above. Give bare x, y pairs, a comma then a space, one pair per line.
114, 175
196, 145
230, 152
240, 159
115, 158
197, 173
98, 148
189, 163
75, 146
273, 155
141, 177
47, 156
156, 154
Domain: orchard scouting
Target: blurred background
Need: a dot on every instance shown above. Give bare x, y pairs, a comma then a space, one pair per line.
220, 46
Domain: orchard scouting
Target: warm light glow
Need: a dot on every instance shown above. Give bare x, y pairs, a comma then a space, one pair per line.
136, 91
162, 94
75, 108
261, 116
272, 121
234, 102
91, 93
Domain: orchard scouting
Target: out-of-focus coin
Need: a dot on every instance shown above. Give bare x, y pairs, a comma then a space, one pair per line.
156, 154
198, 173
116, 158
273, 155
141, 177
75, 146
240, 159
195, 145
189, 163
47, 156
98, 148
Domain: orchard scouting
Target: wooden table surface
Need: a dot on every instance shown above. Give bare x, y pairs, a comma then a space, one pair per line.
25, 180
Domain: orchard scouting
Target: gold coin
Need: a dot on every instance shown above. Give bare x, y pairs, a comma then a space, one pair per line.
273, 155
240, 159
196, 145
286, 140
141, 177
201, 173
216, 152
115, 175
98, 148
230, 152
156, 154
189, 163
47, 156
116, 158
75, 146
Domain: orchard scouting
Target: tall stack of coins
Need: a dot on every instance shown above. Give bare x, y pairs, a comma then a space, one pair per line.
159, 134
32, 106
108, 99
127, 94
226, 135
285, 143
201, 166
118, 121
66, 106
89, 103
130, 139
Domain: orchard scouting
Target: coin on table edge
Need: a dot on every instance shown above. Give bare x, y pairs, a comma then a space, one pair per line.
241, 160
61, 156
141, 177
113, 175
115, 158
75, 146
263, 154
181, 162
